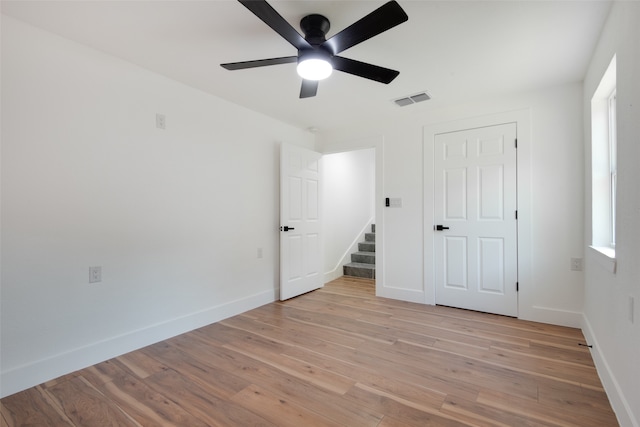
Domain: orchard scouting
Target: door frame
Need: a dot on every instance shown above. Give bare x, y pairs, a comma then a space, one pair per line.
377, 143
522, 119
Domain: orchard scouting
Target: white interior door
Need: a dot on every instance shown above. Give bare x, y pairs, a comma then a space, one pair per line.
475, 197
301, 255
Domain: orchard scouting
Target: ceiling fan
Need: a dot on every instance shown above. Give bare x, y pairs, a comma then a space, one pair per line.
317, 56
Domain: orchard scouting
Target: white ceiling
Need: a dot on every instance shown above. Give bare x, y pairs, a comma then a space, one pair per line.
455, 50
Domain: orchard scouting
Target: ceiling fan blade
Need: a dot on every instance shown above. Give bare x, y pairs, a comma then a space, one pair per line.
309, 88
380, 20
259, 63
362, 69
273, 19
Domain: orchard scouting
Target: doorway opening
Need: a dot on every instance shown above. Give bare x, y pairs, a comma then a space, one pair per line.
349, 195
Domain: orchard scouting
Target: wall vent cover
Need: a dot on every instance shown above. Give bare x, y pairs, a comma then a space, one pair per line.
413, 99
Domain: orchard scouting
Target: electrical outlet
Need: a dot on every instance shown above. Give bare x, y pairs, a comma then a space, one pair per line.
161, 121
576, 264
95, 274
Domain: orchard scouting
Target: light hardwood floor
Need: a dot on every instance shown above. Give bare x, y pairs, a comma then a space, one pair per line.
338, 356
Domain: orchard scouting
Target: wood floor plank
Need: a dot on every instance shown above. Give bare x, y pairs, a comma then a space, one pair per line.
278, 410
576, 399
505, 321
533, 409
407, 330
478, 414
3, 420
278, 333
216, 380
208, 407
33, 407
526, 363
357, 302
407, 412
270, 377
336, 323
84, 405
578, 356
146, 405
140, 364
337, 356
227, 334
429, 388
315, 375
305, 334
103, 372
502, 332
459, 368
60, 379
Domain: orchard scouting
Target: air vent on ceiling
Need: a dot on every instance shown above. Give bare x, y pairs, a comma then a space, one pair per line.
413, 99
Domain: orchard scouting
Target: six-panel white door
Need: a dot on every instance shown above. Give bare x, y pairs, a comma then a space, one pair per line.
301, 252
475, 197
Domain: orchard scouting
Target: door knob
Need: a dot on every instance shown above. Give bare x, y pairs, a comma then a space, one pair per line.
440, 227
286, 228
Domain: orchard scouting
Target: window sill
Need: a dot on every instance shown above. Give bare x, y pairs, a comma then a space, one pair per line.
606, 257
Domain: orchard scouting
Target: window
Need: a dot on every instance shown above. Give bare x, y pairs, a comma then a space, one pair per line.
604, 163
613, 167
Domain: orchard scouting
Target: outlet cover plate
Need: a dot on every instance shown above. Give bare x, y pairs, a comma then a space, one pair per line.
95, 274
576, 264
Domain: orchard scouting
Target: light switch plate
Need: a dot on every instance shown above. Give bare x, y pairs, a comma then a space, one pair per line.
95, 274
161, 121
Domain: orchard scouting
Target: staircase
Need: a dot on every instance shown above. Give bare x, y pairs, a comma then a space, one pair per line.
363, 262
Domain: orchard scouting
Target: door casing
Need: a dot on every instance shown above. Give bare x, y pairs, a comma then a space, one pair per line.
522, 118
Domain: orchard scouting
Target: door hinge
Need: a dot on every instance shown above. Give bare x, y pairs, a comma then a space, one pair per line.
516, 142
517, 286
516, 214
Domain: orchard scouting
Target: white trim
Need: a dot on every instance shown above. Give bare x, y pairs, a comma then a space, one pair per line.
411, 295
554, 316
606, 258
31, 374
620, 405
522, 118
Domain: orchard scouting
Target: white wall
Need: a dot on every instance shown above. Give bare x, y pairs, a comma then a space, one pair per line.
348, 200
551, 164
607, 325
175, 217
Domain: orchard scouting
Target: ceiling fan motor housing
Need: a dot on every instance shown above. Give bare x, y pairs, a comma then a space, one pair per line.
315, 28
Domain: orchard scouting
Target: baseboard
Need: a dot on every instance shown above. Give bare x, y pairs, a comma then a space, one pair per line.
333, 275
410, 295
32, 374
618, 402
554, 316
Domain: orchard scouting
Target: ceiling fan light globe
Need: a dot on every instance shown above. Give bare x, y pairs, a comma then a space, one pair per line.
314, 69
